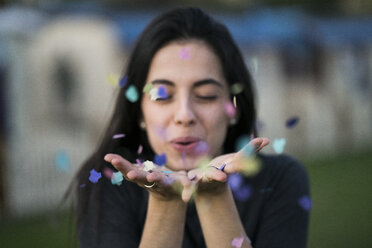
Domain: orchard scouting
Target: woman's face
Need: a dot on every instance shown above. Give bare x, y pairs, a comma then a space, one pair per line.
189, 121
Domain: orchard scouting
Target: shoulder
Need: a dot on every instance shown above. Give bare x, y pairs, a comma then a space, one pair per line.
283, 171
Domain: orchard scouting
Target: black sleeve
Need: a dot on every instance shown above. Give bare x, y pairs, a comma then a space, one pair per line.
285, 214
119, 223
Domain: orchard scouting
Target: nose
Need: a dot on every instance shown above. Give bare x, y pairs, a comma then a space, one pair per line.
184, 114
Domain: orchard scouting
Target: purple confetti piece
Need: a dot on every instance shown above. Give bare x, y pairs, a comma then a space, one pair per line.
243, 193
140, 148
160, 159
123, 81
118, 136
237, 242
162, 92
235, 180
184, 53
292, 122
192, 177
201, 148
94, 176
305, 202
222, 167
139, 162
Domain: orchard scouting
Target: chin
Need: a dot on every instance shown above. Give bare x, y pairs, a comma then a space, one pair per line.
186, 164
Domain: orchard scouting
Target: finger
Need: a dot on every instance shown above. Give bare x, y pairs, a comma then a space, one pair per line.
188, 192
265, 142
213, 173
119, 162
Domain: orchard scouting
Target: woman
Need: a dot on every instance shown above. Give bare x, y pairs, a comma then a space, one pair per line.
185, 62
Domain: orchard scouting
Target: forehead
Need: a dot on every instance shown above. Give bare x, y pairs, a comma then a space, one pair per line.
185, 61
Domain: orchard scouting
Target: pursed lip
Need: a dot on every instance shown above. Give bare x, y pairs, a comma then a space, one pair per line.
185, 144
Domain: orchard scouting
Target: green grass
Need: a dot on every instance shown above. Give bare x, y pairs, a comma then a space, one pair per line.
341, 215
37, 231
342, 201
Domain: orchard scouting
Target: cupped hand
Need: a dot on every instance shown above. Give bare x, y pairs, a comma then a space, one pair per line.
162, 184
212, 177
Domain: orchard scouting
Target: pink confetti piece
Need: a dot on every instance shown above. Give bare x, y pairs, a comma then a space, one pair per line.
230, 109
140, 148
184, 53
118, 136
108, 172
237, 242
139, 162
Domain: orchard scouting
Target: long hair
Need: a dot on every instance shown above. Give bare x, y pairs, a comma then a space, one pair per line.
180, 24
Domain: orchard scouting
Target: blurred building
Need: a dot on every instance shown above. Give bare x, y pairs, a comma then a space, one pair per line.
56, 98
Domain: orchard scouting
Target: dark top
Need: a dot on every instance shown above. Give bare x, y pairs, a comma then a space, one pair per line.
273, 206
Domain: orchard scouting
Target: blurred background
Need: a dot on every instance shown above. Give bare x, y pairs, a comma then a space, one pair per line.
59, 66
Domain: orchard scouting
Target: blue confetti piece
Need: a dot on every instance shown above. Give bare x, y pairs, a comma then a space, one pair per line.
94, 176
241, 142
162, 92
131, 94
160, 159
123, 81
291, 122
167, 172
279, 145
62, 161
243, 193
235, 180
117, 178
305, 202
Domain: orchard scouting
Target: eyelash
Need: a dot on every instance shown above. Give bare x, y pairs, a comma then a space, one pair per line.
204, 98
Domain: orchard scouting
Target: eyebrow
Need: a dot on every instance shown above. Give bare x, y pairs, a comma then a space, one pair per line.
196, 84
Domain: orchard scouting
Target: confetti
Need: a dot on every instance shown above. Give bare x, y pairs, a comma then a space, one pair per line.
305, 202
241, 142
237, 242
236, 88
118, 136
123, 81
139, 162
158, 93
62, 161
108, 172
201, 148
279, 145
147, 88
94, 176
160, 159
132, 94
162, 92
222, 167
250, 166
230, 109
243, 193
235, 180
140, 148
148, 165
184, 53
167, 172
117, 178
292, 122
112, 79
153, 94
